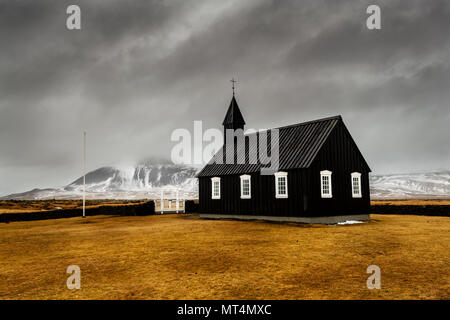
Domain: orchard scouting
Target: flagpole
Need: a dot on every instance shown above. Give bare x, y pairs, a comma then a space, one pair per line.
84, 174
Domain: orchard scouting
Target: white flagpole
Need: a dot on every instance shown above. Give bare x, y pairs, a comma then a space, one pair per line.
162, 201
177, 205
84, 174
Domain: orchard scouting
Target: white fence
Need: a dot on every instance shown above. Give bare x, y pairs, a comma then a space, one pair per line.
167, 203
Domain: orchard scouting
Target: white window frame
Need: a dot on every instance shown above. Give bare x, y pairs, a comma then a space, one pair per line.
243, 178
277, 192
214, 180
326, 173
356, 175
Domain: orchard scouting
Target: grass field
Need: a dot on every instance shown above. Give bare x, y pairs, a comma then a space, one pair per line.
412, 202
184, 257
10, 206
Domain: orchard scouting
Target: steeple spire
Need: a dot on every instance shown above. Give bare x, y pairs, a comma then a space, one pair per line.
232, 84
233, 118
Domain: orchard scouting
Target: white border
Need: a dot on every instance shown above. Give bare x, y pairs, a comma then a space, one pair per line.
277, 175
246, 177
215, 179
326, 173
358, 176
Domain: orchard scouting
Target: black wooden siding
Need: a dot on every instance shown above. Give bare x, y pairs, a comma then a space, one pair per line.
262, 202
341, 156
338, 154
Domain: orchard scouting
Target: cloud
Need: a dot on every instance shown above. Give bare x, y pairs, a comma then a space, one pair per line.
140, 69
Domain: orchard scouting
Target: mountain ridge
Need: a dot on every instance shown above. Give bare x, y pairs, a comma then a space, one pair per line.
147, 179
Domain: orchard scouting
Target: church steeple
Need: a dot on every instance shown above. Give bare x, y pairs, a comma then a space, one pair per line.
233, 119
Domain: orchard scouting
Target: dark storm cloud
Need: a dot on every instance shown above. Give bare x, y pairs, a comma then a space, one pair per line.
139, 69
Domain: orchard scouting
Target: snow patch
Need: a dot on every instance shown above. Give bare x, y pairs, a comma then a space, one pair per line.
349, 222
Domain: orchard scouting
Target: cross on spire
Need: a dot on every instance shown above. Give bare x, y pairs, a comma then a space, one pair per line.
232, 84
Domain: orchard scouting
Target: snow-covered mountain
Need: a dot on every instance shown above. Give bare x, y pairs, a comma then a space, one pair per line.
144, 181
413, 185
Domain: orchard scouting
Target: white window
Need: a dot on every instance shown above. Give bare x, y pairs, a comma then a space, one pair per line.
356, 185
325, 184
281, 185
215, 188
246, 187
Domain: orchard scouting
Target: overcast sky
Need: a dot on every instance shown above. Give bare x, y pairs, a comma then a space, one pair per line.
137, 70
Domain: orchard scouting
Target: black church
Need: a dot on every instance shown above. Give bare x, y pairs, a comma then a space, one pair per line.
322, 177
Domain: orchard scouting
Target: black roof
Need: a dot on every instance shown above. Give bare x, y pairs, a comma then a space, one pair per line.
234, 115
298, 146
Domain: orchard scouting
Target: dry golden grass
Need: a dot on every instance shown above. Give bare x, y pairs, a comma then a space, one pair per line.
8, 206
181, 257
412, 202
